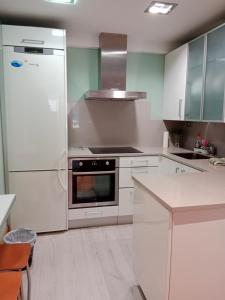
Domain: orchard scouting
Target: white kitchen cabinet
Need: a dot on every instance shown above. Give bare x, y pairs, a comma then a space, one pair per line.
171, 167
126, 199
93, 216
175, 83
178, 254
139, 161
129, 166
40, 202
152, 234
93, 212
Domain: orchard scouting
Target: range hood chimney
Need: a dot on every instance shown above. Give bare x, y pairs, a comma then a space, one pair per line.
113, 62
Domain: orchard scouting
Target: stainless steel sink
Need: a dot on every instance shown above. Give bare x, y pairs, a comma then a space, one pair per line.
189, 155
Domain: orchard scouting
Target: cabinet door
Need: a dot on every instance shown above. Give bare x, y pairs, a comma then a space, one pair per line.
125, 175
126, 199
152, 244
175, 84
215, 76
171, 167
195, 80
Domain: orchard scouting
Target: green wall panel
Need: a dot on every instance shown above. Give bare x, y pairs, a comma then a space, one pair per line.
82, 72
145, 72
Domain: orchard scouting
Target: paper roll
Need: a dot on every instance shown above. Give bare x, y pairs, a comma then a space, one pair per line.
165, 139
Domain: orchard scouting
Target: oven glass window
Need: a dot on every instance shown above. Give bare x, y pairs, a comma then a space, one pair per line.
89, 189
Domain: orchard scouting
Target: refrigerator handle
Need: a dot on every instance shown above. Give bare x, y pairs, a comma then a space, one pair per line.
64, 187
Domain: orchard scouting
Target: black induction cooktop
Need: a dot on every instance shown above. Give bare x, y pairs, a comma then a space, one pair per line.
113, 150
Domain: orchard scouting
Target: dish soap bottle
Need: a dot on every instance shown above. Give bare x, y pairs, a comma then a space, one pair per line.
198, 141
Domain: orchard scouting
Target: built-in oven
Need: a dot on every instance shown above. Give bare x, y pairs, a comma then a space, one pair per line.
93, 182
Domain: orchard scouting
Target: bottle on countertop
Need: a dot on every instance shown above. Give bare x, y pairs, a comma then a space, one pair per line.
198, 141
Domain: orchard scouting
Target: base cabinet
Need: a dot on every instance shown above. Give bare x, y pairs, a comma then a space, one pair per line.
171, 167
126, 205
180, 254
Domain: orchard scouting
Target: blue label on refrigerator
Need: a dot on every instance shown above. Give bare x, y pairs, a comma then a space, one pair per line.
16, 63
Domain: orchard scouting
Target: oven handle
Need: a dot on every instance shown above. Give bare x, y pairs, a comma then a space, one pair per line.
94, 173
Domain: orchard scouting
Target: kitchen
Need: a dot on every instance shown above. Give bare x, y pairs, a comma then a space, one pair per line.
83, 147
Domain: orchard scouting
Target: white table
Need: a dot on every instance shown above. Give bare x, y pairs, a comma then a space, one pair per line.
6, 202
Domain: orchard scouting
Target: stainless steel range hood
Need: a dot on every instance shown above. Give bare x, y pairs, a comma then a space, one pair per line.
113, 65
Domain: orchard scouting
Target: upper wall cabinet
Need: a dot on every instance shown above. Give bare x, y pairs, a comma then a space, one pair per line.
175, 84
214, 94
204, 84
195, 79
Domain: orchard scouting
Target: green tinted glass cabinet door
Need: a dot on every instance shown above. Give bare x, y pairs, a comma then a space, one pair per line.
215, 76
195, 79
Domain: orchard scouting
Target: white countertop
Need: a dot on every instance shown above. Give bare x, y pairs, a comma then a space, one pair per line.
202, 164
6, 202
186, 191
181, 191
85, 152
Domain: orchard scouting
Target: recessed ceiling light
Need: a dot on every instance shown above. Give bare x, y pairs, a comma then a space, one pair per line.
158, 7
72, 2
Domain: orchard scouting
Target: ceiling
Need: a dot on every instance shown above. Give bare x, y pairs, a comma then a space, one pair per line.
146, 33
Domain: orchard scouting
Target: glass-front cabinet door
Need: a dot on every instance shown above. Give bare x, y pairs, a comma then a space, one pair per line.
195, 79
215, 76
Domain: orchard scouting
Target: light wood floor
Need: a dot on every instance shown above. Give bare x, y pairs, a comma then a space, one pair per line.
84, 264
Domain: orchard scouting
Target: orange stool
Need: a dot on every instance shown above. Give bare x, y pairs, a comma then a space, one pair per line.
10, 283
15, 257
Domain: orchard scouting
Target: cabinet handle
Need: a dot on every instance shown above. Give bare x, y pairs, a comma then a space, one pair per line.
177, 170
139, 170
35, 42
180, 106
182, 171
144, 162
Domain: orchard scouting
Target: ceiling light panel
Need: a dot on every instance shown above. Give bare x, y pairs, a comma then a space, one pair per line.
71, 2
158, 7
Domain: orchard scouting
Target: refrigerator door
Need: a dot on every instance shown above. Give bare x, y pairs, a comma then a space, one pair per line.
41, 202
35, 104
33, 36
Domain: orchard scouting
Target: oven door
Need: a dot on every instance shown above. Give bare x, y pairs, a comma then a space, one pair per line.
92, 189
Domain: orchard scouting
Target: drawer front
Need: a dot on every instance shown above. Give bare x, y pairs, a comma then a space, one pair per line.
169, 166
126, 202
125, 174
139, 161
180, 168
95, 212
33, 37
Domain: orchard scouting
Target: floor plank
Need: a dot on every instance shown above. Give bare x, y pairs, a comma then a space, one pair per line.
84, 264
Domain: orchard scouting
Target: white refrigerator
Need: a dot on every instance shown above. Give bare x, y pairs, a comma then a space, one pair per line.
36, 127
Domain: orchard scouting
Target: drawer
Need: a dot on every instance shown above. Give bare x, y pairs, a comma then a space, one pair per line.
180, 168
33, 37
169, 166
139, 161
125, 174
126, 201
93, 212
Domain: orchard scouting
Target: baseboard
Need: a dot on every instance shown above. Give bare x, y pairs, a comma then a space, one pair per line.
125, 219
